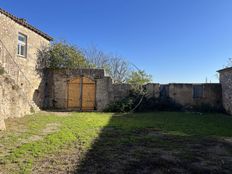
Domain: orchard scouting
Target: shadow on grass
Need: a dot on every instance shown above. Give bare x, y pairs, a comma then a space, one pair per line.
135, 144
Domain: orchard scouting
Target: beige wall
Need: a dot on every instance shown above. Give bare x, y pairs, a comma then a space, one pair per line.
183, 94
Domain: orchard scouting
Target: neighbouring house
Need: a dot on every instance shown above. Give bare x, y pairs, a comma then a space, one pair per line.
226, 83
19, 81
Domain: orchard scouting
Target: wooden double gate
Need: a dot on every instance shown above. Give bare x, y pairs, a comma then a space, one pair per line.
82, 94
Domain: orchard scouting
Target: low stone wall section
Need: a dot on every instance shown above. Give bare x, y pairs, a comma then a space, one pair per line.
183, 94
13, 102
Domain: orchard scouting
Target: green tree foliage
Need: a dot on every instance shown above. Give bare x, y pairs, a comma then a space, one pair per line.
139, 77
61, 55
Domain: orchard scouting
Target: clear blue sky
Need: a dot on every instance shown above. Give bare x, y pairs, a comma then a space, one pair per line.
174, 40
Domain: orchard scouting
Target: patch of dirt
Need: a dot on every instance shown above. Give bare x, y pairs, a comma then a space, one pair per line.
31, 139
64, 161
50, 128
56, 113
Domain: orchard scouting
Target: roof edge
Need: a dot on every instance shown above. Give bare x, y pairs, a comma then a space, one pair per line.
224, 69
25, 24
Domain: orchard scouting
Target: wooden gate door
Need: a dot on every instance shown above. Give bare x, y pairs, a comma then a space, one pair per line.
81, 94
88, 94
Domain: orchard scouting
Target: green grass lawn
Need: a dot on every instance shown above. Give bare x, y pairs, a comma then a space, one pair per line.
117, 143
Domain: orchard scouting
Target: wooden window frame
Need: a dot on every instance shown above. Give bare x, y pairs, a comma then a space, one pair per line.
22, 44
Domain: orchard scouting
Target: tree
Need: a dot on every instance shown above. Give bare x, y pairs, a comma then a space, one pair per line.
118, 70
96, 57
61, 55
116, 67
139, 77
229, 63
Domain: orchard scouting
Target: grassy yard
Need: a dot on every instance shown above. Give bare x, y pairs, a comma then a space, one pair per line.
160, 142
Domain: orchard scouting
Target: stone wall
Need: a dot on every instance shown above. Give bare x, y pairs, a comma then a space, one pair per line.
153, 90
56, 86
226, 82
183, 94
13, 102
120, 91
106, 92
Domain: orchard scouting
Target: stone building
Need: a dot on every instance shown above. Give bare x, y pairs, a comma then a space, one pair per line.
226, 83
19, 43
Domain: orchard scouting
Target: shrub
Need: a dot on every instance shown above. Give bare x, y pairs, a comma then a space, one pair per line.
2, 71
126, 104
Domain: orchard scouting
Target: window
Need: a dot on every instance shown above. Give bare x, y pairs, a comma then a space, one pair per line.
198, 91
22, 45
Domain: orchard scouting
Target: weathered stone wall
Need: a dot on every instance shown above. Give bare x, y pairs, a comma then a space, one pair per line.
152, 90
120, 91
106, 92
56, 88
56, 85
226, 82
13, 102
23, 70
183, 94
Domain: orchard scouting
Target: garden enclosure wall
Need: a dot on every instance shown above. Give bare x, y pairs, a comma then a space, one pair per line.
99, 91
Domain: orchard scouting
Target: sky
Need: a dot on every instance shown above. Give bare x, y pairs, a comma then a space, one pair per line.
180, 41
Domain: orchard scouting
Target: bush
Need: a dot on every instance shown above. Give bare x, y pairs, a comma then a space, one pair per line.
126, 104
2, 71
